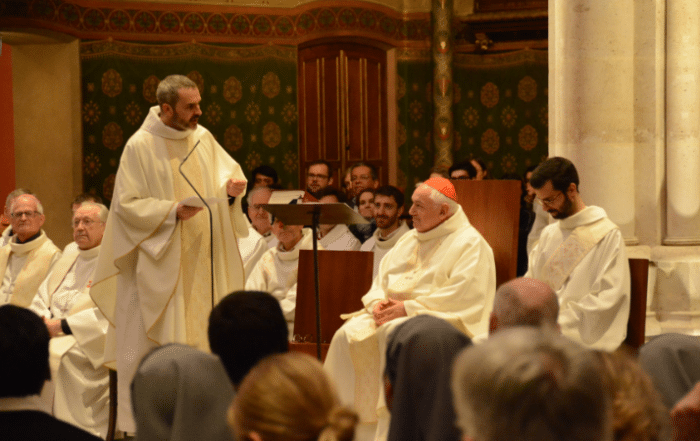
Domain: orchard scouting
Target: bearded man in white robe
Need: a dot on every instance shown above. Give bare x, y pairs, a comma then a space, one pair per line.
77, 328
157, 240
443, 267
582, 258
388, 203
28, 257
277, 270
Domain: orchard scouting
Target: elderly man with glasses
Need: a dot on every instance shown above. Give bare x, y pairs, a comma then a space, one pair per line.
77, 328
29, 256
582, 258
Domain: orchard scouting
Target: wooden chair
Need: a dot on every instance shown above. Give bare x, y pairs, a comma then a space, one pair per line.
112, 419
636, 324
344, 277
493, 208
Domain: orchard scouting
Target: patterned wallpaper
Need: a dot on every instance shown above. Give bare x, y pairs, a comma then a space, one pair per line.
500, 111
249, 97
415, 114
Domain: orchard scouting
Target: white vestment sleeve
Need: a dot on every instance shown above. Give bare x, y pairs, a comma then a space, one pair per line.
40, 303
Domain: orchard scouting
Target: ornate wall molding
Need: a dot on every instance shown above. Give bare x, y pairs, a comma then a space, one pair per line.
89, 19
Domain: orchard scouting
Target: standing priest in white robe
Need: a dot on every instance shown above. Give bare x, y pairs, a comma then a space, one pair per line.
443, 267
156, 246
277, 270
28, 257
582, 258
77, 327
388, 203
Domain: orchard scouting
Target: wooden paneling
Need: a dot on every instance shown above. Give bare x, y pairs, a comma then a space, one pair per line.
343, 106
493, 208
344, 277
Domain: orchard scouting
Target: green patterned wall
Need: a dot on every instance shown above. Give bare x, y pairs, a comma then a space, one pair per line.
415, 119
249, 99
500, 110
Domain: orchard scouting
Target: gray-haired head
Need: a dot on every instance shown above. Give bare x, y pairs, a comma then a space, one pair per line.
167, 92
104, 211
530, 384
13, 195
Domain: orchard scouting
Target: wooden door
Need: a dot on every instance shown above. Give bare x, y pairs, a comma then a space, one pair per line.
343, 107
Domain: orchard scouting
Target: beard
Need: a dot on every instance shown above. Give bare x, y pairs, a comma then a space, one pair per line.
564, 211
384, 222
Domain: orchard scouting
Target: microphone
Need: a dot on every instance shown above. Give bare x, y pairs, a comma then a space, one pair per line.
211, 224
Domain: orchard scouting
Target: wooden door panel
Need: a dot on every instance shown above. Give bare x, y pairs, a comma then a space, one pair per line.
342, 106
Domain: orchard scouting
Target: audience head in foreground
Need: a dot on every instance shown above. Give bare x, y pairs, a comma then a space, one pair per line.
181, 393
422, 348
288, 397
245, 327
673, 362
638, 414
524, 302
24, 351
529, 384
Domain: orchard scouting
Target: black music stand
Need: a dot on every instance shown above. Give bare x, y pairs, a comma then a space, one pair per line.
314, 214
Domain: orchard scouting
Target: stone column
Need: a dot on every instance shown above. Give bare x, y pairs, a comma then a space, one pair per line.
442, 82
682, 123
591, 101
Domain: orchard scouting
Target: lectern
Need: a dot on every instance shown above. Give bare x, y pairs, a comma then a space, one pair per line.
314, 214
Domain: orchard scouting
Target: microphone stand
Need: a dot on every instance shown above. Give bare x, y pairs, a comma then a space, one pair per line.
211, 225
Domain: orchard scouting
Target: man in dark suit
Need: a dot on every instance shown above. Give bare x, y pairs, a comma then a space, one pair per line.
24, 351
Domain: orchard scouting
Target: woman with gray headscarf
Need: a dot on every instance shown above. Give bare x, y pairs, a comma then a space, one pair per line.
180, 393
417, 376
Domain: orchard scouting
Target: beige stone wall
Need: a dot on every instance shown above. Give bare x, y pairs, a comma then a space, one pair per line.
46, 89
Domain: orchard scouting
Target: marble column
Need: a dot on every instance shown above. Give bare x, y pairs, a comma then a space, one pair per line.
682, 123
591, 101
442, 82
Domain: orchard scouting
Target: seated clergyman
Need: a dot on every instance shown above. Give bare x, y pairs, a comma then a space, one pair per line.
77, 327
443, 267
27, 259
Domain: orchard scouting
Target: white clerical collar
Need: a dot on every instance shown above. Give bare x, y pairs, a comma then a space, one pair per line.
392, 234
23, 248
91, 253
155, 125
586, 216
303, 244
452, 224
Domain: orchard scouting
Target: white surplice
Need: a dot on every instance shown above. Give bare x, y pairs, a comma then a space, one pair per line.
24, 266
380, 246
448, 272
276, 273
594, 300
162, 265
252, 249
81, 381
340, 238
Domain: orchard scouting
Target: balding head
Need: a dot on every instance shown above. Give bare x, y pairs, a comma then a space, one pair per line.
524, 302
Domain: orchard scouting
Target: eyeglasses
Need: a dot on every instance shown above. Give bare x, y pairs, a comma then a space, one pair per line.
363, 177
551, 200
257, 207
317, 176
87, 222
21, 214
